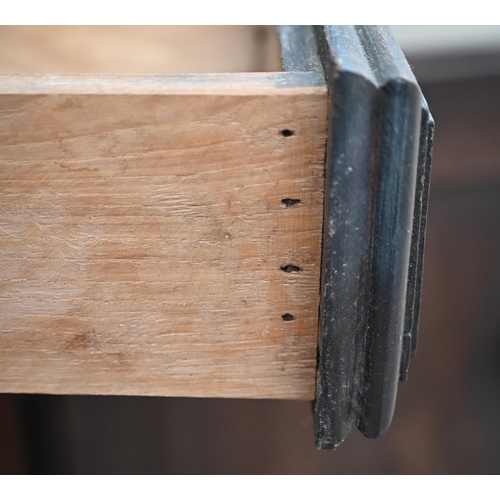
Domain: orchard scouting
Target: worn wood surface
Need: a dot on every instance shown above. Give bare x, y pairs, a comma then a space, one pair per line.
143, 235
370, 183
446, 419
137, 49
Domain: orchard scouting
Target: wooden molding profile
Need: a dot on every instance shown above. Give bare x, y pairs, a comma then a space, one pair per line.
238, 234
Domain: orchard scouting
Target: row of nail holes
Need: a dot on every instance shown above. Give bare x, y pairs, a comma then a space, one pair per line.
289, 202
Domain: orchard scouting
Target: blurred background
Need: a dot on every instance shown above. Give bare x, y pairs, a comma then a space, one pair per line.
447, 413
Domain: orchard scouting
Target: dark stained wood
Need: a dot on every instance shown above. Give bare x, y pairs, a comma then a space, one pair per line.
299, 50
370, 211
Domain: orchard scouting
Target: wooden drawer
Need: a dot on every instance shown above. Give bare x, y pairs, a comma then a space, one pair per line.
162, 210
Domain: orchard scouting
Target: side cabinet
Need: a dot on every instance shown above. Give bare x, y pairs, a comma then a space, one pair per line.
251, 234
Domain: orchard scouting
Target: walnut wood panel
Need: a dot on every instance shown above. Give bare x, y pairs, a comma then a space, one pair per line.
138, 49
143, 235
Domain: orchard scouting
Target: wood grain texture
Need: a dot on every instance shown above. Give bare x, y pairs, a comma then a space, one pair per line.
137, 49
143, 235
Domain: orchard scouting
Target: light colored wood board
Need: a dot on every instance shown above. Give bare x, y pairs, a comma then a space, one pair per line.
222, 84
137, 49
142, 240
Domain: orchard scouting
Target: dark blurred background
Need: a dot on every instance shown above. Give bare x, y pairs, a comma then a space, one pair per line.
447, 413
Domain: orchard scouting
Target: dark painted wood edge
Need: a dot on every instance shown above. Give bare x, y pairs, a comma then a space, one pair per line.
411, 290
427, 162
418, 239
347, 234
299, 51
377, 177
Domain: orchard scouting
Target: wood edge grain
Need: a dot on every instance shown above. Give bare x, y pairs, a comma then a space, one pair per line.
292, 83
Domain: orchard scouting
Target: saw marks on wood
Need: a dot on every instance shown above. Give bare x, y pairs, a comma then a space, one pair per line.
158, 244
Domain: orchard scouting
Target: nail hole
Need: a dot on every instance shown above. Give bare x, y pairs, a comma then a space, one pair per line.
287, 317
287, 133
290, 268
290, 202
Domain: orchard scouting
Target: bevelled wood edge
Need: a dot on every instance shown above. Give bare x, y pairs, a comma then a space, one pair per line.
417, 240
427, 138
369, 218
